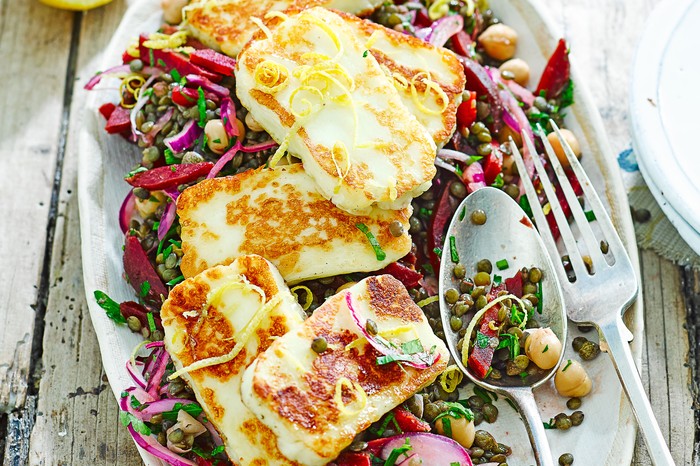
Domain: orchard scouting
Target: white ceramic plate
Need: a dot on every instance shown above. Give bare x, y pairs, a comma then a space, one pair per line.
608, 434
664, 101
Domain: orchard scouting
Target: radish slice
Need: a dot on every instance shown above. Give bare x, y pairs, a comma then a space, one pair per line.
435, 450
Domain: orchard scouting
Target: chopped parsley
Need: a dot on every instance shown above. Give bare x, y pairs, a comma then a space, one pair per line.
498, 182
389, 418
378, 251
202, 107
568, 363
482, 341
497, 279
437, 251
110, 306
549, 425
511, 342
170, 158
525, 205
590, 215
412, 347
365, 53
546, 348
462, 213
192, 409
145, 288
502, 264
138, 425
484, 394
453, 250
176, 75
203, 454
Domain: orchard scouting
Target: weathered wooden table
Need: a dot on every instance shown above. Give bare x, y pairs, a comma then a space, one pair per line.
55, 405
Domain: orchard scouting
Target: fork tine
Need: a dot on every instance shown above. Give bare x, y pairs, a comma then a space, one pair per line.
540, 219
604, 222
577, 211
567, 235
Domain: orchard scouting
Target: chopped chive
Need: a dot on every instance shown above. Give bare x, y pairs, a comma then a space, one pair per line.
378, 251
453, 250
175, 281
462, 213
502, 264
151, 322
202, 107
590, 215
176, 75
437, 251
364, 54
568, 363
497, 279
525, 205
546, 348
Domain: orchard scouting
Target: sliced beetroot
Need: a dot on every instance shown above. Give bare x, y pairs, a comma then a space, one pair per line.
213, 61
435, 450
402, 273
169, 60
478, 80
139, 270
132, 308
118, 121
169, 176
514, 285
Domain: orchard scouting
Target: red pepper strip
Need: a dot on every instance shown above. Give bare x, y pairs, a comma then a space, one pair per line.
213, 61
202, 462
131, 308
514, 285
169, 176
349, 458
139, 270
405, 275
118, 121
466, 112
173, 60
480, 358
494, 164
575, 184
461, 44
556, 74
442, 214
107, 109
479, 80
408, 422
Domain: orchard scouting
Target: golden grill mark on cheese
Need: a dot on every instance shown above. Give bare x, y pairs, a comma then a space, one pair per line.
317, 405
390, 153
280, 215
221, 312
226, 25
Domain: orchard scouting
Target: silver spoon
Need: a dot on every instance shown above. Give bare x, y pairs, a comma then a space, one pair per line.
506, 234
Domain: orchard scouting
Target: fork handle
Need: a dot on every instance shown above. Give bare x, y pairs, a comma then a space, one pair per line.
614, 337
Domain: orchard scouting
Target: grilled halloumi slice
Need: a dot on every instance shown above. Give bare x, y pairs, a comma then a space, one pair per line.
280, 215
210, 315
317, 403
414, 65
226, 25
310, 82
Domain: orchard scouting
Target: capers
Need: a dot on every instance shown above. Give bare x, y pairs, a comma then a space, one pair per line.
567, 459
371, 327
141, 193
484, 265
490, 413
477, 453
562, 422
482, 279
475, 402
319, 344
458, 190
430, 412
578, 343
484, 440
415, 225
478, 217
192, 157
589, 350
455, 323
576, 418
574, 403
451, 295
535, 275
466, 285
459, 271
396, 228
176, 435
134, 323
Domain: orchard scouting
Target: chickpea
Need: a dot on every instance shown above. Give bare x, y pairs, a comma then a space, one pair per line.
147, 207
518, 68
252, 123
572, 380
543, 347
462, 430
506, 133
499, 41
172, 10
217, 139
559, 150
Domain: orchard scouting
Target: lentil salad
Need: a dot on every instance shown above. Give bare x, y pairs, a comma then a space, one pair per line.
161, 244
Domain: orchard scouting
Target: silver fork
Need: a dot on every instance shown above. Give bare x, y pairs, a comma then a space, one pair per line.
600, 291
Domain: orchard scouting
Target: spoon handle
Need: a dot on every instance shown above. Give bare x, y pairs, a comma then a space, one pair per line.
525, 401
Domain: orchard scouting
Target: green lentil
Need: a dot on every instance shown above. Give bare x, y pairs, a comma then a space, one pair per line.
490, 413
458, 190
484, 265
396, 228
455, 323
478, 217
482, 279
451, 295
459, 271
134, 323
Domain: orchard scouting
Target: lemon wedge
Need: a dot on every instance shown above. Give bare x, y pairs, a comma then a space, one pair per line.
76, 5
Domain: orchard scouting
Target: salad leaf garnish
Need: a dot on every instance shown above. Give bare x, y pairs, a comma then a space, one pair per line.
482, 341
202, 107
412, 347
139, 426
110, 306
396, 452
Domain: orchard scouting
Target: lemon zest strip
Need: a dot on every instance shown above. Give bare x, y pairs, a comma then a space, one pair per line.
428, 300
451, 378
429, 85
165, 41
360, 395
258, 22
309, 295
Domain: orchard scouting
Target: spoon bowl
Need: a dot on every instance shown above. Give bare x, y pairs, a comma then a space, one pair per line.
507, 237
